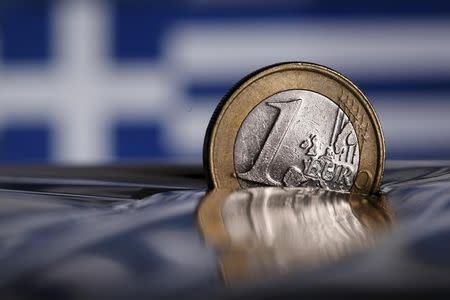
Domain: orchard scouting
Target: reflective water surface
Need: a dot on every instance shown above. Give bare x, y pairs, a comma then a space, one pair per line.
272, 231
83, 246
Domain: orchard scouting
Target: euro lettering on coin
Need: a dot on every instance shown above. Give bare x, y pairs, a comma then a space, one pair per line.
295, 125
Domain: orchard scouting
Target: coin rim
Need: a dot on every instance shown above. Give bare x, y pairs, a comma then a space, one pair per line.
212, 128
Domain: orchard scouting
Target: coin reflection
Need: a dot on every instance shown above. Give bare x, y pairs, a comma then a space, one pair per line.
260, 231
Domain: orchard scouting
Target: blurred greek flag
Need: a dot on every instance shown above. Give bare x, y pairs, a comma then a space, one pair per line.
85, 81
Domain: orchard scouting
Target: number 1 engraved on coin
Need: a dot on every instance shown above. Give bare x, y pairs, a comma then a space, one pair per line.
260, 171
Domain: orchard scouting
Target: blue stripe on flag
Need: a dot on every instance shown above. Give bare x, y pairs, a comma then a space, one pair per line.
140, 26
216, 90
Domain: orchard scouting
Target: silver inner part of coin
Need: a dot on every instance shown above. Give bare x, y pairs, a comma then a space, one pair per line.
297, 138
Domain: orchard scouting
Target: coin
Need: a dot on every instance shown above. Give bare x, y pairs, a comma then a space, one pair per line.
295, 125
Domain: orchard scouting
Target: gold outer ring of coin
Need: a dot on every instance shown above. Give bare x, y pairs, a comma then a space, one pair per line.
256, 87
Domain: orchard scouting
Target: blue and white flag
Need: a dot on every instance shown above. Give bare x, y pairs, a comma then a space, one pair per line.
93, 81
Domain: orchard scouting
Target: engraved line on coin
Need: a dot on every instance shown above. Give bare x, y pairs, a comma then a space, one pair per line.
342, 148
287, 114
351, 108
